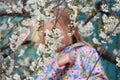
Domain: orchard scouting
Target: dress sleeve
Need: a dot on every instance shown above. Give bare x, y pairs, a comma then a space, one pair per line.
89, 58
52, 71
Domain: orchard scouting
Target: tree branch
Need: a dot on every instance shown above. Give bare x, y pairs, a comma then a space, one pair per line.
24, 14
105, 55
89, 18
7, 46
109, 57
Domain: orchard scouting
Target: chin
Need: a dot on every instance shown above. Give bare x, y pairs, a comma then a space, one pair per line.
60, 48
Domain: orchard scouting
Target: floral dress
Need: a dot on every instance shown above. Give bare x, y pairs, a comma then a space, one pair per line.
85, 59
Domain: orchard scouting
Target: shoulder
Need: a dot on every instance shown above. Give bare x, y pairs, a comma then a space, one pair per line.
79, 48
72, 47
87, 50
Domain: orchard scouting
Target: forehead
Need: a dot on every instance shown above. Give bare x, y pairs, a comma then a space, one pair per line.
50, 25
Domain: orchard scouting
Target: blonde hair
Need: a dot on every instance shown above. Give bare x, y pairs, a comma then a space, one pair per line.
63, 20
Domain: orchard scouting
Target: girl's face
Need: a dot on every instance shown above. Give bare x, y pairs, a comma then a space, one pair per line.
64, 30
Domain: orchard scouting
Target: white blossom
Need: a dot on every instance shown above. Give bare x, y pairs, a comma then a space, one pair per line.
103, 35
10, 24
104, 7
19, 7
103, 41
9, 11
7, 78
117, 30
16, 77
16, 40
52, 42
86, 9
10, 70
32, 67
32, 1
74, 15
118, 61
109, 23
14, 7
27, 61
29, 78
21, 62
3, 6
26, 73
3, 27
116, 6
13, 43
26, 22
95, 40
41, 48
21, 53
86, 30
27, 8
116, 52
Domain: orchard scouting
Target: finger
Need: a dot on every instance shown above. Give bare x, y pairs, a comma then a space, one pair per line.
71, 62
68, 60
61, 55
72, 58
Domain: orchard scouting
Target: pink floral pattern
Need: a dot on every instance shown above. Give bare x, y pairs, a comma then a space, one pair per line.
85, 59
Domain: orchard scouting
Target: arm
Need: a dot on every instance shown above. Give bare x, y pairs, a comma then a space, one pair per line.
52, 71
89, 60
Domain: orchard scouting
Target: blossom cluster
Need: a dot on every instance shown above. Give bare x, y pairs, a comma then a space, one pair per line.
17, 38
110, 23
116, 6
52, 42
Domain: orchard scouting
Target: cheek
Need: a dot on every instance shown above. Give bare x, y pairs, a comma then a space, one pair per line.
66, 40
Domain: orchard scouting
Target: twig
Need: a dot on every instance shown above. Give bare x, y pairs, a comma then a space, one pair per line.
40, 58
59, 4
4, 47
89, 18
7, 46
106, 55
101, 52
98, 8
115, 27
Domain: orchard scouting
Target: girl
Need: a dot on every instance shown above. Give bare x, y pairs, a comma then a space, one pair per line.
77, 56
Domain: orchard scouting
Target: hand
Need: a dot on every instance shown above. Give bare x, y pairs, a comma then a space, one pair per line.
66, 60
